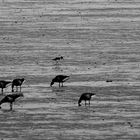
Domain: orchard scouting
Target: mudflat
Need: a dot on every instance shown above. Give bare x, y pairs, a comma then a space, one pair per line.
100, 43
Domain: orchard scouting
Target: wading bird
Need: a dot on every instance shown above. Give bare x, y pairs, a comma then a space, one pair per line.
17, 82
59, 79
85, 97
58, 59
10, 99
3, 84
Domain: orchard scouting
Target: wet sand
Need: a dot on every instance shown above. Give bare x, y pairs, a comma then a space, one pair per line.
99, 41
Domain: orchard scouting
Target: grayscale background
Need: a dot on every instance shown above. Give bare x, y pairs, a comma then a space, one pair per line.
99, 40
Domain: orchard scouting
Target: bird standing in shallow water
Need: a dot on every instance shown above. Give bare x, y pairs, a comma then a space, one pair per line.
3, 84
10, 99
85, 97
17, 82
59, 79
58, 59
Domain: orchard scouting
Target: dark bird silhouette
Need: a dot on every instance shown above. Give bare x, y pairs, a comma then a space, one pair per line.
10, 99
59, 79
3, 84
17, 82
85, 97
58, 58
108, 80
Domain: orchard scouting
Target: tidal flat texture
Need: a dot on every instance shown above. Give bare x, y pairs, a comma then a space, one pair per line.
100, 43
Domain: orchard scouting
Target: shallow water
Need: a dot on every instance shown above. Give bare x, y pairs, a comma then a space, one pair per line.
99, 42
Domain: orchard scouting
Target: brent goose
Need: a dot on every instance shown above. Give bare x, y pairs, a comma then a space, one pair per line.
17, 82
10, 99
85, 97
59, 79
3, 84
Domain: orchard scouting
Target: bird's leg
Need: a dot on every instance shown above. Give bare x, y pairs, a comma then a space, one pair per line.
89, 102
20, 88
62, 84
56, 62
59, 84
10, 106
85, 102
2, 90
12, 89
16, 88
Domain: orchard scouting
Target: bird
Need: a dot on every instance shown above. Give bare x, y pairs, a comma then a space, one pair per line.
3, 84
108, 80
10, 99
59, 79
85, 97
58, 58
17, 82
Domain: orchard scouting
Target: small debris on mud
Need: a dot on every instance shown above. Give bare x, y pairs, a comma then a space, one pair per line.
130, 124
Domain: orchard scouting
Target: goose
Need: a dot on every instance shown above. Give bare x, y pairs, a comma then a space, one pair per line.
17, 82
85, 97
10, 99
59, 79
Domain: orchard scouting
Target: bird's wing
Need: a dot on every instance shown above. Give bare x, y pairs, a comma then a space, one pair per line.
9, 98
6, 99
66, 78
87, 96
8, 84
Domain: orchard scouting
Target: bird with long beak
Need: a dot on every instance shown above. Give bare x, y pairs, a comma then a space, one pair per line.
85, 97
59, 79
10, 99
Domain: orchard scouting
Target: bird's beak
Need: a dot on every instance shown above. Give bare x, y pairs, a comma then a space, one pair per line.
51, 84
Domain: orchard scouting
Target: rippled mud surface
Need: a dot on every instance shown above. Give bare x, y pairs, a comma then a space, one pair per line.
99, 41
